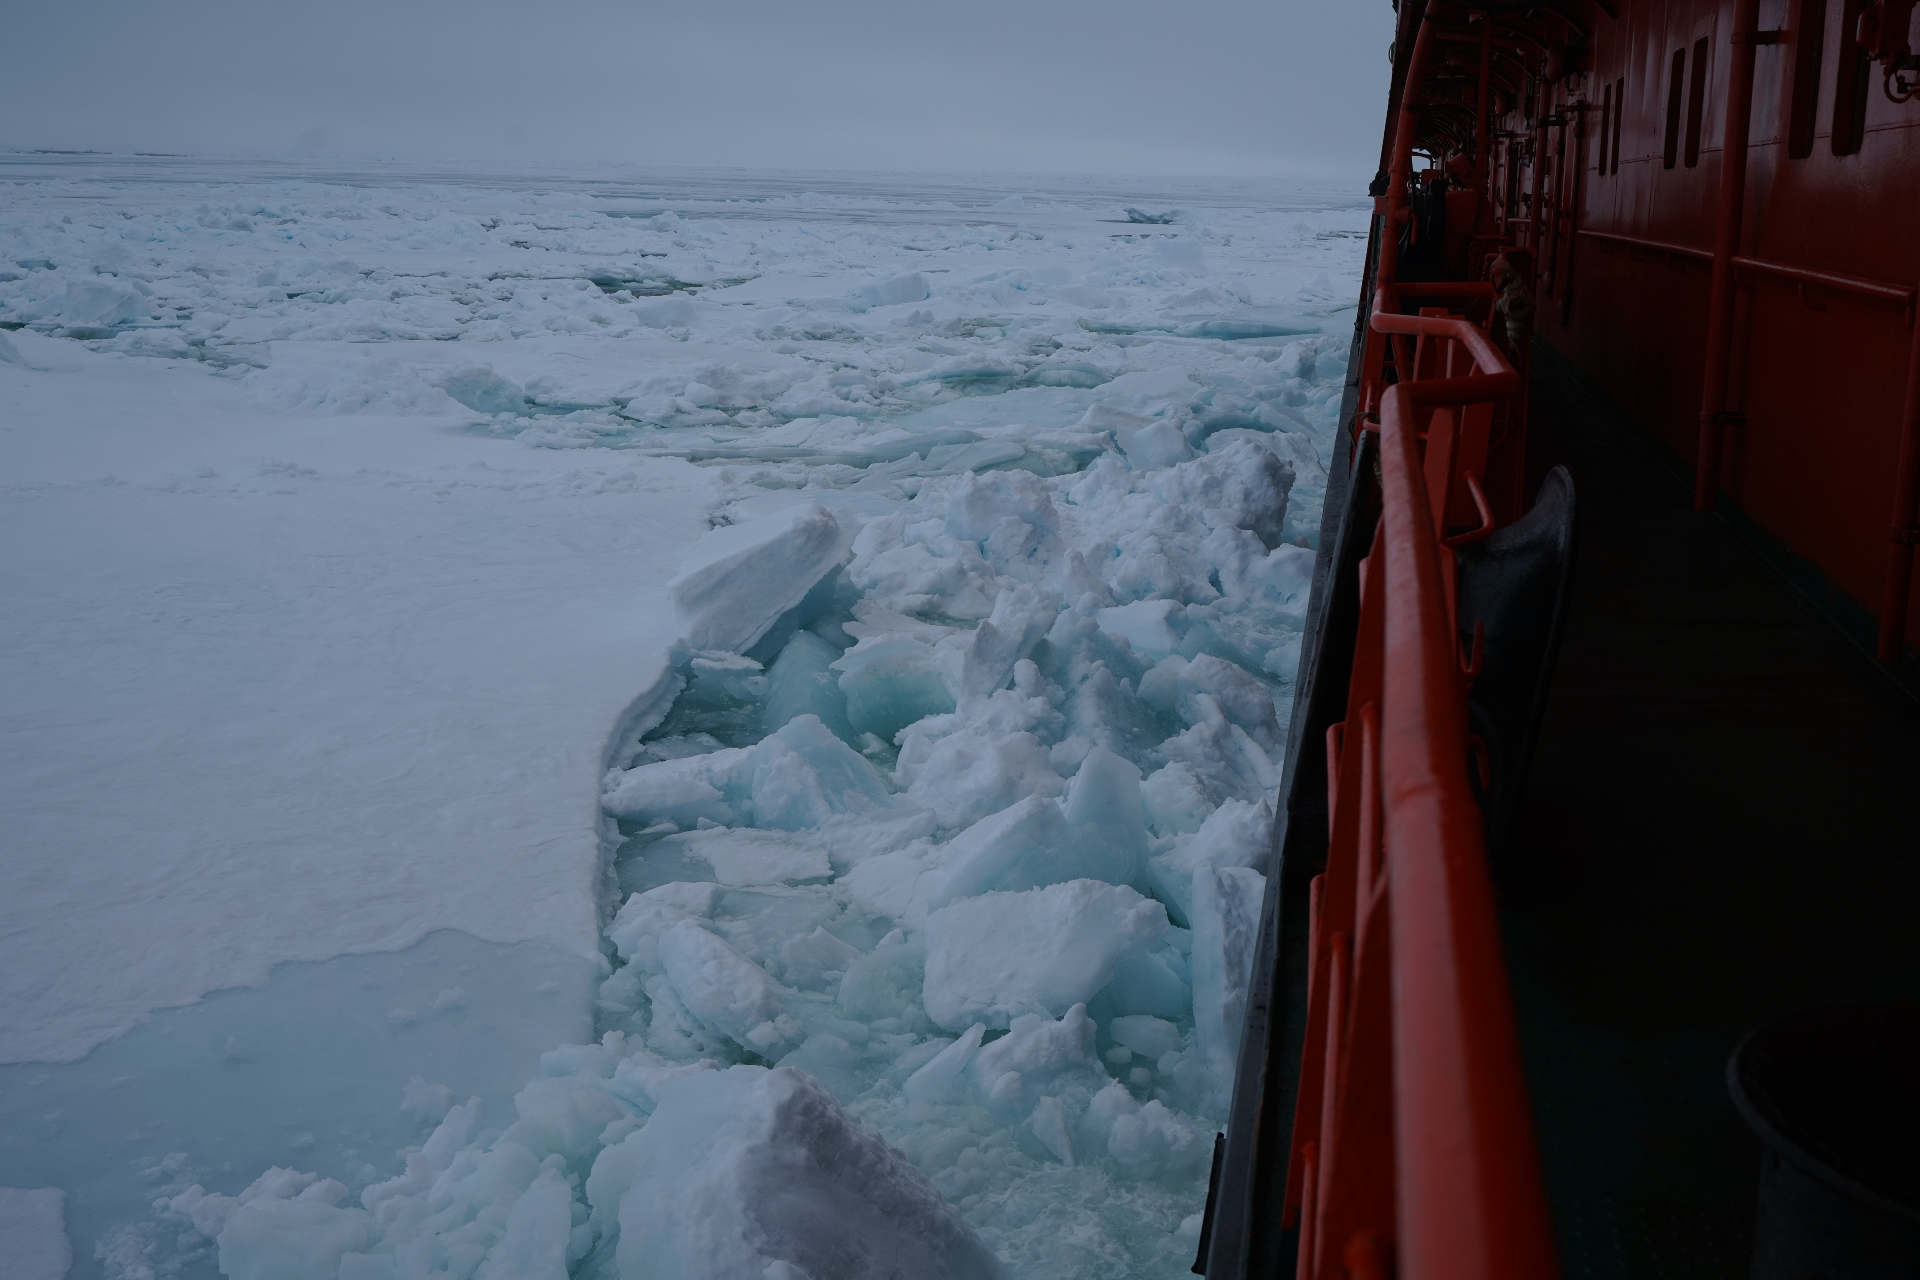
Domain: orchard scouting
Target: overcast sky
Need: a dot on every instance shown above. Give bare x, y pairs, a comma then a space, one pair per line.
1230, 87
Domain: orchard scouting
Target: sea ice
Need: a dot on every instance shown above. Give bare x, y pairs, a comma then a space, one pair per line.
750, 1172
999, 955
801, 682
1226, 927
974, 721
737, 581
895, 290
33, 1223
747, 856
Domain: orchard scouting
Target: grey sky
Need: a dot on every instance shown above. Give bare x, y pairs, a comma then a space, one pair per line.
1226, 87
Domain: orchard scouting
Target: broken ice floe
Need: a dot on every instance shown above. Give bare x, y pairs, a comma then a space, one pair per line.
953, 818
995, 764
946, 866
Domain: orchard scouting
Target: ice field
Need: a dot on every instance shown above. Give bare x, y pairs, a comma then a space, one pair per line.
681, 724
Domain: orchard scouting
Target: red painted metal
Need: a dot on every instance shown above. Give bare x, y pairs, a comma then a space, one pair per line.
1656, 246
1905, 531
1412, 1151
1412, 1137
1881, 289
1482, 152
1811, 304
1726, 242
1472, 1204
1902, 295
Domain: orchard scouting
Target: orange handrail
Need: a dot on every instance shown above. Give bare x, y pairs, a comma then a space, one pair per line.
1412, 1137
1412, 1150
1471, 1201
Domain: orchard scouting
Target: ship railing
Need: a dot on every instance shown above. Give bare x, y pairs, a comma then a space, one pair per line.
1413, 1151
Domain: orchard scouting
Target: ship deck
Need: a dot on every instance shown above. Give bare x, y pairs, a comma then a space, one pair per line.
1721, 826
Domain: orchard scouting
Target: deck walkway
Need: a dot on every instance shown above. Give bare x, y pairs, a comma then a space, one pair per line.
1721, 826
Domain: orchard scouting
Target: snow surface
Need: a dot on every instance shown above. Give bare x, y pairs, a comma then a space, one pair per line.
33, 1223
921, 562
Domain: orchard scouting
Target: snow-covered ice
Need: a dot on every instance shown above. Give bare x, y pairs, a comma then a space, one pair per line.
33, 1223
728, 720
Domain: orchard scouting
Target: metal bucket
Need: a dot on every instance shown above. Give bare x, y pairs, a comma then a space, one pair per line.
1835, 1097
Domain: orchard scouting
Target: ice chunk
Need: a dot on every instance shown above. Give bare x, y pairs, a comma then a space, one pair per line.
479, 388
1177, 801
1226, 928
725, 990
103, 302
539, 1229
1022, 709
750, 1172
1224, 760
745, 856
896, 883
426, 1101
1237, 834
639, 1078
1246, 483
894, 290
1039, 1047
1019, 620
1180, 255
1155, 983
1104, 802
1146, 1035
1152, 628
33, 1223
10, 354
290, 1226
1145, 1137
738, 581
811, 960
682, 791
561, 1115
803, 776
1021, 847
801, 682
1099, 833
1049, 1124
664, 313
934, 1082
800, 777
885, 983
1298, 449
1036, 1056
969, 775
1156, 445
1007, 514
890, 681
926, 570
1125, 426
1210, 686
999, 955
639, 923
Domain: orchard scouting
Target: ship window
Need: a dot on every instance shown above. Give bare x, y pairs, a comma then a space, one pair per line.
1619, 110
1696, 101
1809, 41
1606, 130
1850, 85
1675, 85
